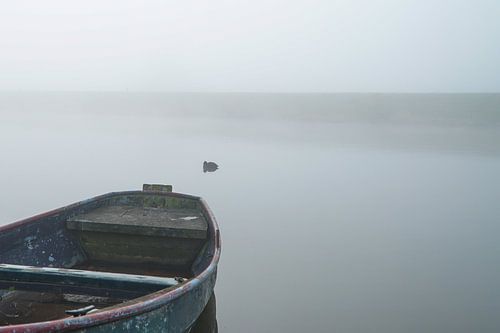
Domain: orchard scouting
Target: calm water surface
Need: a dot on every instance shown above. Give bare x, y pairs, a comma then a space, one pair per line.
339, 213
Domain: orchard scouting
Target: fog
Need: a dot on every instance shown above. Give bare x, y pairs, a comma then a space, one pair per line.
380, 215
358, 144
264, 46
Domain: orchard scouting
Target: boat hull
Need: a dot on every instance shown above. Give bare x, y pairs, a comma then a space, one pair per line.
169, 310
176, 316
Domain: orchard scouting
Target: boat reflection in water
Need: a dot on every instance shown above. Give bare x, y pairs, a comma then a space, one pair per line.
207, 321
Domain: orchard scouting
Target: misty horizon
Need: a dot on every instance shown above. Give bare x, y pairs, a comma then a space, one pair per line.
357, 146
262, 46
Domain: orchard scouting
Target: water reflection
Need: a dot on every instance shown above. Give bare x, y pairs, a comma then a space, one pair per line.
207, 321
392, 199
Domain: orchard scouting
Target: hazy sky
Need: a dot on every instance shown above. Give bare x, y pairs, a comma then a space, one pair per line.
259, 45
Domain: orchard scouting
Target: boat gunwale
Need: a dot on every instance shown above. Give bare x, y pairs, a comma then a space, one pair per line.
145, 304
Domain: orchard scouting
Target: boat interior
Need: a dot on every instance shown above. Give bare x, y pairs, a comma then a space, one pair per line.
101, 253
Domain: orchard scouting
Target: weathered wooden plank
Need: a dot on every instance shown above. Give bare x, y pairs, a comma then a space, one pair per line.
114, 247
157, 245
125, 258
62, 276
145, 199
176, 223
46, 279
143, 268
156, 188
140, 250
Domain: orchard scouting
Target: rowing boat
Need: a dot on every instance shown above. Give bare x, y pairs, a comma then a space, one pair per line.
134, 261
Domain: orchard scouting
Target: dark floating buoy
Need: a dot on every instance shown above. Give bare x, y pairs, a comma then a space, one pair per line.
210, 166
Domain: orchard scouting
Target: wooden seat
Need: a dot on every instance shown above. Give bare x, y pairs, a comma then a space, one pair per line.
80, 281
175, 223
123, 234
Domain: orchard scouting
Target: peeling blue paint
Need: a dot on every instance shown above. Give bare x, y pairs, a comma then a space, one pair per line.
171, 310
